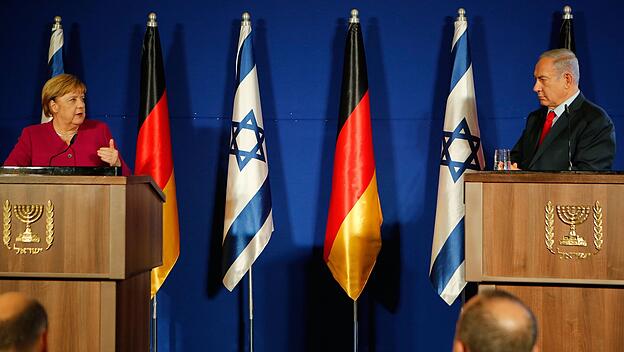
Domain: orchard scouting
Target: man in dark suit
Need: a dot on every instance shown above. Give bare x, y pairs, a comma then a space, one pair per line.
569, 132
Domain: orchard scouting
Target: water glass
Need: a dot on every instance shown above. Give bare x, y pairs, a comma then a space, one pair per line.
502, 159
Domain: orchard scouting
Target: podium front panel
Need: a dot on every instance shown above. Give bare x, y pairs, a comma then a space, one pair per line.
72, 231
522, 232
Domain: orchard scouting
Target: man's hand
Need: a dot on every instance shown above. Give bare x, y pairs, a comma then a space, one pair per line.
501, 166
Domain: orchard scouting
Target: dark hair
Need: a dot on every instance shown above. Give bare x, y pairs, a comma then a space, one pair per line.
481, 331
22, 331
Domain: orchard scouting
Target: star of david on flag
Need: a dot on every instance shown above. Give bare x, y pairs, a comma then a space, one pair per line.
256, 136
461, 135
461, 152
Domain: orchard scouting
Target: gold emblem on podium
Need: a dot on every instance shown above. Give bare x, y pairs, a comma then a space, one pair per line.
573, 245
27, 241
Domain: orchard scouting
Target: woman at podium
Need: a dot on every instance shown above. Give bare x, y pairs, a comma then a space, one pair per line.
69, 139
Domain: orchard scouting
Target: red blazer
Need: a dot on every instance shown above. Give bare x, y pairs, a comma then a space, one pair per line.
39, 145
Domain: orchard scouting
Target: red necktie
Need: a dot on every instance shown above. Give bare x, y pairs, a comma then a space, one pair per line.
547, 125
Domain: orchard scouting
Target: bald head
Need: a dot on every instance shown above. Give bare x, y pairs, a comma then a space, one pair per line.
496, 321
23, 323
12, 303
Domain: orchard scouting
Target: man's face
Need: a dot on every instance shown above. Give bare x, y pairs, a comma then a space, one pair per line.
551, 87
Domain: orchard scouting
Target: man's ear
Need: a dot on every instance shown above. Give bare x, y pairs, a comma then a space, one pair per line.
569, 79
43, 342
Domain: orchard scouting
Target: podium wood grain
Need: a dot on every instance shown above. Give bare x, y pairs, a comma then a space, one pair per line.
578, 302
94, 280
575, 318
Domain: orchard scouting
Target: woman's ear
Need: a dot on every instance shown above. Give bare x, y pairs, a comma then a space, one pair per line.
53, 106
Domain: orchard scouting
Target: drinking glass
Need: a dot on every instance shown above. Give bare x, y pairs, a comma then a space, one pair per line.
502, 159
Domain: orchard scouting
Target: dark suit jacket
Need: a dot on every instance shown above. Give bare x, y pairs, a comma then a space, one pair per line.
590, 132
39, 145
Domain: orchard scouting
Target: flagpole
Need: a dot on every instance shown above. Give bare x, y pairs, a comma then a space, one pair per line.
250, 311
355, 326
57, 23
566, 32
154, 325
355, 19
247, 232
567, 12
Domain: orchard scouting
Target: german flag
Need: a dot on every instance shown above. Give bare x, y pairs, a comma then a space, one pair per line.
353, 234
153, 156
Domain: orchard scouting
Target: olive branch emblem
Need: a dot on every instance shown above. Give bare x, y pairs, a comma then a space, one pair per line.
49, 224
6, 223
549, 220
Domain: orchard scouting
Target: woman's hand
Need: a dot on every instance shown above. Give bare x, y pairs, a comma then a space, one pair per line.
109, 154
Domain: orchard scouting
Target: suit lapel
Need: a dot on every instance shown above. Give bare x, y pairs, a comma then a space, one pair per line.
535, 133
557, 129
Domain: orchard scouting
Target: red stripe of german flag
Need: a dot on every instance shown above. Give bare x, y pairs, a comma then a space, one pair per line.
154, 156
353, 234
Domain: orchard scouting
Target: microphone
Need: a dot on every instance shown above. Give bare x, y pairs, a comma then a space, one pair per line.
567, 111
71, 142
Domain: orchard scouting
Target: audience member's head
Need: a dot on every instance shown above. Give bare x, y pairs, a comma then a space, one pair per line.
23, 324
496, 321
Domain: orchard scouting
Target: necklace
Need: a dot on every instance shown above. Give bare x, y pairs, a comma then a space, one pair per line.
65, 134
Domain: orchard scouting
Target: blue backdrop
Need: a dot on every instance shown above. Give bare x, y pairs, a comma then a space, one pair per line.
299, 51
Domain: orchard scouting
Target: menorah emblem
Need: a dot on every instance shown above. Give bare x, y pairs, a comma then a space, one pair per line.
28, 214
573, 215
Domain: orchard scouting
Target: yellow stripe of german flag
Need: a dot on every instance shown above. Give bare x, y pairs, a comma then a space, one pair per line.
354, 251
171, 236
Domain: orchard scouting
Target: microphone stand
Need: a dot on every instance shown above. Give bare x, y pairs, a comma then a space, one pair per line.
71, 142
567, 111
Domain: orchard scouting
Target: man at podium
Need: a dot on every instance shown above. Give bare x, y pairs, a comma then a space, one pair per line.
69, 139
568, 132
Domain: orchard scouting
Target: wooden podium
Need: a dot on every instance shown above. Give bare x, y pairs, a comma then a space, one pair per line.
98, 238
555, 240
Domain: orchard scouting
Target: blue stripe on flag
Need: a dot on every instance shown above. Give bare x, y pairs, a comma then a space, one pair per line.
449, 259
461, 58
246, 59
247, 224
56, 63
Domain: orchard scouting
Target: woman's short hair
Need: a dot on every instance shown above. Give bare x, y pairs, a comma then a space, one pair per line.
58, 86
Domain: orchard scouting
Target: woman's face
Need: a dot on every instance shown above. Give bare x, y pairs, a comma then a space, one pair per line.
69, 109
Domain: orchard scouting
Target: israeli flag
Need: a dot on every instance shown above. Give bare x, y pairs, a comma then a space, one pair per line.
55, 55
248, 210
461, 152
